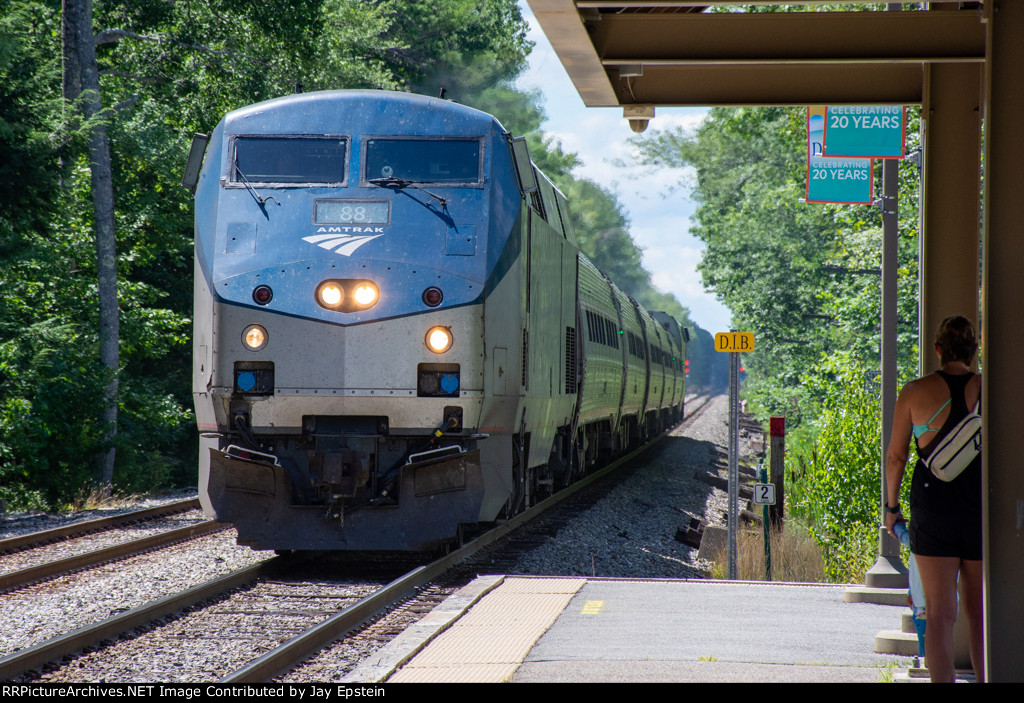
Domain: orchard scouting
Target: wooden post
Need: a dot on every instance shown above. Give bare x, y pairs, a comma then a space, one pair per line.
777, 432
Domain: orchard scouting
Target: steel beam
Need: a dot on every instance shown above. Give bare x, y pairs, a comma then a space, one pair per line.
690, 58
1002, 322
773, 85
817, 37
564, 28
950, 217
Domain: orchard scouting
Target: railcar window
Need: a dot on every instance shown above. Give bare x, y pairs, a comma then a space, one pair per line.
455, 161
289, 159
613, 334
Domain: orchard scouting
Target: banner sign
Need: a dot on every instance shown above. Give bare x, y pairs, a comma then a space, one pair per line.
833, 180
867, 131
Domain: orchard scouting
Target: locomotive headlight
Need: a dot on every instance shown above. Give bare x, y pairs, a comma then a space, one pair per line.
365, 294
330, 294
254, 337
439, 339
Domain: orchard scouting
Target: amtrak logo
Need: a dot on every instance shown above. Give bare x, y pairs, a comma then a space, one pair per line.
338, 241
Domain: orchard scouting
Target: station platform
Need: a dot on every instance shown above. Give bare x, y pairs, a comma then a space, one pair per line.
537, 629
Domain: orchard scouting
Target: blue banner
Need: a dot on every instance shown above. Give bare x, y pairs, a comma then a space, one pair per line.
869, 131
833, 180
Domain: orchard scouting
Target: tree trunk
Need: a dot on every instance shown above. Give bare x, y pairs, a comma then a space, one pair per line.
81, 68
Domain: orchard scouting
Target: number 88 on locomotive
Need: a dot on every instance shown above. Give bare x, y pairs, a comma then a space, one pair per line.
395, 333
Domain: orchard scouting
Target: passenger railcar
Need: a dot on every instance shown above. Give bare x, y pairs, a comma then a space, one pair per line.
395, 332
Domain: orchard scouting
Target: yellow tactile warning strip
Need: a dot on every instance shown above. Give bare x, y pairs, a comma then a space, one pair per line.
487, 644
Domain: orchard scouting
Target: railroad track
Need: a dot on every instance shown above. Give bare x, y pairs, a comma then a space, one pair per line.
298, 647
79, 529
695, 407
94, 557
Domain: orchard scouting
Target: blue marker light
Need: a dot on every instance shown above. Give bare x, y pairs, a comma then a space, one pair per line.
246, 381
450, 383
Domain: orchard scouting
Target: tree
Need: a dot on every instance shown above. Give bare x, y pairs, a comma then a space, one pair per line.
805, 279
781, 266
165, 70
82, 87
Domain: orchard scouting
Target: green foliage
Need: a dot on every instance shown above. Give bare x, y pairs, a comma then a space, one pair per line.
462, 46
168, 69
784, 267
48, 415
835, 487
805, 279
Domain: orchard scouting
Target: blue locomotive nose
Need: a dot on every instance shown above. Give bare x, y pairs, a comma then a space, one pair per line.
360, 255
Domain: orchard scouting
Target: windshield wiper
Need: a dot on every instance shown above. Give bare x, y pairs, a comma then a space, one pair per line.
261, 200
400, 183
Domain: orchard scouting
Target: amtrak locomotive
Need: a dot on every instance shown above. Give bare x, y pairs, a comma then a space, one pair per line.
395, 332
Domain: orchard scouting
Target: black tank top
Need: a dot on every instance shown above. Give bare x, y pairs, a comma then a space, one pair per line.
962, 493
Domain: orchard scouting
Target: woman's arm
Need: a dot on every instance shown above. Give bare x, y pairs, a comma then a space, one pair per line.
896, 457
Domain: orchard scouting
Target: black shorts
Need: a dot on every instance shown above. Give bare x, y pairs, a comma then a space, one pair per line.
952, 534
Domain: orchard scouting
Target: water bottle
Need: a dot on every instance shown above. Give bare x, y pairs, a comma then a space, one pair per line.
902, 533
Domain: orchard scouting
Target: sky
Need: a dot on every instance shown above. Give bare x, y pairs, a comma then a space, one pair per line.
656, 199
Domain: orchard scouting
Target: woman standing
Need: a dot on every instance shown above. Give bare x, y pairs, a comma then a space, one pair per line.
945, 517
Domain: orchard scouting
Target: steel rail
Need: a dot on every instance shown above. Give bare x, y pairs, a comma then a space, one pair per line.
12, 544
30, 574
301, 647
304, 645
36, 656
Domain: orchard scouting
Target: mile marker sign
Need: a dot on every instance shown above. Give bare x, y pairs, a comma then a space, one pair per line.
734, 341
764, 494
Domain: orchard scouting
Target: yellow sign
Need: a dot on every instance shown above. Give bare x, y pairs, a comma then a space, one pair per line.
734, 341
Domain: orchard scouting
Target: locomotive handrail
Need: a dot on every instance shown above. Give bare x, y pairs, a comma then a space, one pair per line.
271, 457
434, 454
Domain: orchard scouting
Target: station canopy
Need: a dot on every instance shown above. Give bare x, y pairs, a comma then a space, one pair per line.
669, 53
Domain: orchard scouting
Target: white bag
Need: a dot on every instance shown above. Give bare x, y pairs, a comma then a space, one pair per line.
958, 449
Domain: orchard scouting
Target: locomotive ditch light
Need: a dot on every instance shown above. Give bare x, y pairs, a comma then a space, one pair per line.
330, 295
254, 337
439, 339
366, 294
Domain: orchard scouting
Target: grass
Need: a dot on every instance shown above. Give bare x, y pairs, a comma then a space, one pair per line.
795, 556
99, 498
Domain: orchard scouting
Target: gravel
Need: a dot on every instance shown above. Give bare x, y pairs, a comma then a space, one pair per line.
45, 610
215, 640
75, 546
630, 532
19, 523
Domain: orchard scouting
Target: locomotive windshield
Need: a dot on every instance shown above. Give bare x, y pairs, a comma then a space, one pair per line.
289, 160
450, 161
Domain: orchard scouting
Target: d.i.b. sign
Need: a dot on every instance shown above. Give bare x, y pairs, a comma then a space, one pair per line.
734, 342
